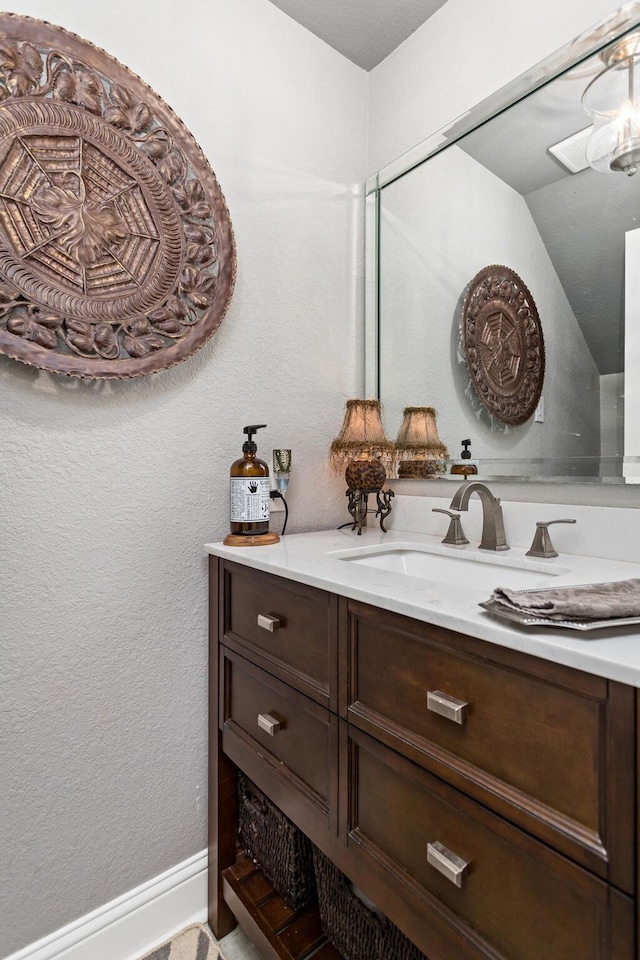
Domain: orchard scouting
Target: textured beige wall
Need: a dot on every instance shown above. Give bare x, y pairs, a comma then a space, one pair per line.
109, 491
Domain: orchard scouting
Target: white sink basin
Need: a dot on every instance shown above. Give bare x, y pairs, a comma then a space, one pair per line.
458, 567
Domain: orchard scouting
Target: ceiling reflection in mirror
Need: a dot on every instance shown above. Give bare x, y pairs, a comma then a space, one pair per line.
517, 191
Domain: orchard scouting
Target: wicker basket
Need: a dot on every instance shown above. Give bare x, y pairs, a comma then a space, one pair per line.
272, 841
356, 932
353, 929
395, 946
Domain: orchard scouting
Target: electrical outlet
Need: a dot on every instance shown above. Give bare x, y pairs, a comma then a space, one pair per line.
276, 505
539, 414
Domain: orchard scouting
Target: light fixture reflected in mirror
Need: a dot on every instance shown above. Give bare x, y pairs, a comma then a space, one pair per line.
612, 100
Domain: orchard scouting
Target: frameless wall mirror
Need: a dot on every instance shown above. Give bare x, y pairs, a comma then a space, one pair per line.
531, 181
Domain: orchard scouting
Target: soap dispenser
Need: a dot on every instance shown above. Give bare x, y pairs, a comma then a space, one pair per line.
465, 466
249, 497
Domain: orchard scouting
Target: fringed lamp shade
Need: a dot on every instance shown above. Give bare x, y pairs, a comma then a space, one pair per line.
418, 447
362, 446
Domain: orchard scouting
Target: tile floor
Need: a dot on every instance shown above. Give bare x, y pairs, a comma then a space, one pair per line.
237, 946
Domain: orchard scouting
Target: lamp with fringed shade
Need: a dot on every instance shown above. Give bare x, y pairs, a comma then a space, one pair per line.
419, 449
362, 446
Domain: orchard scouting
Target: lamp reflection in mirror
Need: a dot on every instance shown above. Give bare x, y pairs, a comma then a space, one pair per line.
420, 452
611, 99
363, 447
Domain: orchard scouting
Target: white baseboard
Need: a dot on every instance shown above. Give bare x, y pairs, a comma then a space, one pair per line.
134, 923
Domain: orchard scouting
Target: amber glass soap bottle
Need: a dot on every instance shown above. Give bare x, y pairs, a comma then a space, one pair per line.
249, 490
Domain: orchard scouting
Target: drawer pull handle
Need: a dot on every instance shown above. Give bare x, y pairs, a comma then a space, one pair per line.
267, 622
268, 723
449, 864
447, 706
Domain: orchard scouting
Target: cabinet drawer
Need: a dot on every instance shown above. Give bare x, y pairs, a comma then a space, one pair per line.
284, 741
517, 899
548, 747
285, 627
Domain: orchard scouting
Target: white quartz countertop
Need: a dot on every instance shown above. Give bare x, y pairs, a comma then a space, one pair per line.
613, 652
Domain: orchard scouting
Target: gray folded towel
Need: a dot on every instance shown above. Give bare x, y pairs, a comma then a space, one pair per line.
586, 601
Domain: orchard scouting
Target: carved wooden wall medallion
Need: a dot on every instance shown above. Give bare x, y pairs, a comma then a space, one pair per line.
117, 256
503, 344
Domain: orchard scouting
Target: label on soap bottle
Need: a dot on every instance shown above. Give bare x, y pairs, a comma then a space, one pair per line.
249, 499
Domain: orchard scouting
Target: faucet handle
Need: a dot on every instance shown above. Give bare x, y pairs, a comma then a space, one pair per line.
455, 533
542, 546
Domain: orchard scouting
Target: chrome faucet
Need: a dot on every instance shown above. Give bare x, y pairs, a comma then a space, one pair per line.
493, 537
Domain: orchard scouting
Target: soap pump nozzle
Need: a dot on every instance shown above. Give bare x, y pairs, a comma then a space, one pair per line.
250, 446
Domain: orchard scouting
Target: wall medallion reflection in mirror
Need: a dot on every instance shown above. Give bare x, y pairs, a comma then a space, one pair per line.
503, 344
117, 256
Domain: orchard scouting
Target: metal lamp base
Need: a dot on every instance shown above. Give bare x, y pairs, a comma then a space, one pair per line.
358, 506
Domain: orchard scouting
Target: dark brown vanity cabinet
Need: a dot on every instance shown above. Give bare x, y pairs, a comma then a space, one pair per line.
482, 798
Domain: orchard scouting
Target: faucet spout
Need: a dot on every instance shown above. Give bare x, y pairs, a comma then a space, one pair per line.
493, 536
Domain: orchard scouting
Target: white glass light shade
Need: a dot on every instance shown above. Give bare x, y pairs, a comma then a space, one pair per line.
612, 100
602, 144
610, 89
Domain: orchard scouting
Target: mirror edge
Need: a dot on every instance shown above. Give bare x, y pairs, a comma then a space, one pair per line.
371, 225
